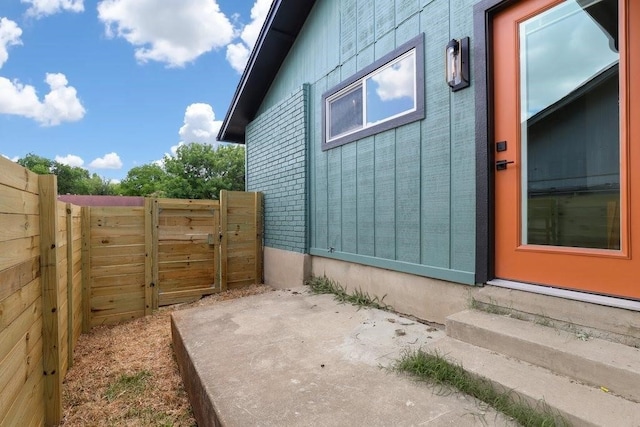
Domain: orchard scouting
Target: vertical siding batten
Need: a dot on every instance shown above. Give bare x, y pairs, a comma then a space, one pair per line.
436, 156
463, 154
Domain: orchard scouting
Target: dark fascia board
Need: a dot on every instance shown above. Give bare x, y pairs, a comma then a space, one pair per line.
279, 31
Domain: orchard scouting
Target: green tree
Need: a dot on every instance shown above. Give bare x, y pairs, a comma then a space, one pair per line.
71, 179
199, 171
145, 180
37, 164
100, 186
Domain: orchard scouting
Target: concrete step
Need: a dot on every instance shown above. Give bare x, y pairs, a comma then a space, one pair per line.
593, 361
610, 323
579, 404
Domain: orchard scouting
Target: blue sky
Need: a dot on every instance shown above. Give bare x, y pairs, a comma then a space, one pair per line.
111, 84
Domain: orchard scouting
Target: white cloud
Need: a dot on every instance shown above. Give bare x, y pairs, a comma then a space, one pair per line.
237, 56
174, 148
70, 160
200, 125
61, 104
259, 13
40, 8
397, 81
108, 161
238, 53
13, 159
9, 36
175, 32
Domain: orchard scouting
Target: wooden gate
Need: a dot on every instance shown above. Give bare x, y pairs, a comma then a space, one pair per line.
186, 240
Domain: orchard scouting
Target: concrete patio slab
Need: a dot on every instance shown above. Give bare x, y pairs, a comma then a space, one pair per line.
289, 358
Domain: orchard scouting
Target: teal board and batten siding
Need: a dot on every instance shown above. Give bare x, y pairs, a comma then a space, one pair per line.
276, 166
403, 199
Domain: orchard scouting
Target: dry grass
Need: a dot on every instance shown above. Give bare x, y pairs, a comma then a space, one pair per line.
126, 375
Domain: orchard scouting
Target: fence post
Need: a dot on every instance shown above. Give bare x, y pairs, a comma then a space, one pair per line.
47, 188
149, 256
155, 289
224, 199
70, 304
86, 268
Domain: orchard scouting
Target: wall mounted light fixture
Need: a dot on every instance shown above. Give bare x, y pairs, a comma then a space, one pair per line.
457, 63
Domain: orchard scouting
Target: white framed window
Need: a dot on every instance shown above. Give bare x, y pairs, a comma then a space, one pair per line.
386, 94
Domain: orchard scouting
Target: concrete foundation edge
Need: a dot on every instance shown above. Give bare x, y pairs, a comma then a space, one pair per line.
285, 269
203, 410
427, 299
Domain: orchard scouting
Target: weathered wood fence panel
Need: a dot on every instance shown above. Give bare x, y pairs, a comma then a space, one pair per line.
186, 249
115, 257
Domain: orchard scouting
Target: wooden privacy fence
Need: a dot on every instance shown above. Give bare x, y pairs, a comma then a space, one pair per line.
64, 269
167, 252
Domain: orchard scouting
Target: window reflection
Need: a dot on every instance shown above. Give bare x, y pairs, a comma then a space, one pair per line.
570, 126
564, 48
391, 91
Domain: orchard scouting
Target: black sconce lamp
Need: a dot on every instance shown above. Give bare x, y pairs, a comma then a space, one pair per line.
457, 63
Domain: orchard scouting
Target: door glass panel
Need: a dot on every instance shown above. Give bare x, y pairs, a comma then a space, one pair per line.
570, 126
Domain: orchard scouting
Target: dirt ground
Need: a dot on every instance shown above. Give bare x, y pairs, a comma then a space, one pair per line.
126, 374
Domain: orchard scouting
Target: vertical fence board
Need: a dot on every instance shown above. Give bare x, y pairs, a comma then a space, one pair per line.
50, 314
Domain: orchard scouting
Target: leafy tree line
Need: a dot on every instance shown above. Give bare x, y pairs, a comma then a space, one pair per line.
197, 171
71, 179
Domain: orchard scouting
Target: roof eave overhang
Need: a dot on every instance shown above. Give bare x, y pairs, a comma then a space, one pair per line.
280, 30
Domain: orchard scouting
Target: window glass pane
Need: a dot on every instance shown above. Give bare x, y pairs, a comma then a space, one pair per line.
345, 113
570, 126
392, 90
